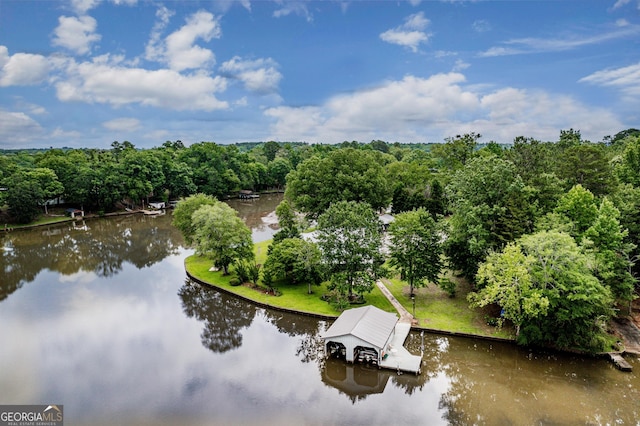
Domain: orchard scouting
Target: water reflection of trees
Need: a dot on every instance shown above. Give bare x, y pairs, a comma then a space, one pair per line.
101, 246
223, 316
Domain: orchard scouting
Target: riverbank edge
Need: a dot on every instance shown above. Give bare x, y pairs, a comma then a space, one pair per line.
333, 317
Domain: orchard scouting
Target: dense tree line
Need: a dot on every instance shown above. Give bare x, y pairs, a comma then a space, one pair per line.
488, 204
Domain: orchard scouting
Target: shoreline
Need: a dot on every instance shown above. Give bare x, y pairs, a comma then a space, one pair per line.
618, 362
333, 317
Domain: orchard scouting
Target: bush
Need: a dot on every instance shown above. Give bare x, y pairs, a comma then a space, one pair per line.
448, 286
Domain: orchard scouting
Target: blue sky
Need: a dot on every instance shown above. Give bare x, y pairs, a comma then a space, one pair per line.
85, 73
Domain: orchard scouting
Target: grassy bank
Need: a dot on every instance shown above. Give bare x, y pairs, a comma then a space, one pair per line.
434, 309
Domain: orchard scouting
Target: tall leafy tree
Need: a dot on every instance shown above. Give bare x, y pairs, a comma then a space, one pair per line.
456, 152
349, 236
605, 239
415, 247
343, 175
28, 191
628, 168
296, 261
288, 221
587, 165
221, 235
544, 284
183, 214
506, 280
491, 206
580, 209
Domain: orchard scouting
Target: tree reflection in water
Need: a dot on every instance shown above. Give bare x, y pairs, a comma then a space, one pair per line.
101, 246
223, 316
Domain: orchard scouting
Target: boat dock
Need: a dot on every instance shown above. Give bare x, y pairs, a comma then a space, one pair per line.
398, 357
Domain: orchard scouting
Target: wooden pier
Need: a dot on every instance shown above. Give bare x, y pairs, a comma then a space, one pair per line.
619, 361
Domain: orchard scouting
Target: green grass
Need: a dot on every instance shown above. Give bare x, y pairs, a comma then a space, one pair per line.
293, 297
42, 220
436, 310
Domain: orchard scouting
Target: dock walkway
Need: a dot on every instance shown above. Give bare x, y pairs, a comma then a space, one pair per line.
399, 358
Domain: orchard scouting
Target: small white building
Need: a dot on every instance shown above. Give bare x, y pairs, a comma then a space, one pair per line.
362, 334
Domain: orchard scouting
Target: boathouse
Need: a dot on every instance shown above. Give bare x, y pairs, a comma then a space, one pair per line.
361, 334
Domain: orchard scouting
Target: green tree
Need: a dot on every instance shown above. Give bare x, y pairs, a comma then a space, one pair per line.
296, 261
28, 191
544, 285
288, 222
605, 239
587, 165
491, 206
343, 175
183, 214
349, 236
456, 152
580, 209
506, 280
628, 170
415, 248
221, 235
142, 173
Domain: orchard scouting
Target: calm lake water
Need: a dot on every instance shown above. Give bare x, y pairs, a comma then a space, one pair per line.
99, 316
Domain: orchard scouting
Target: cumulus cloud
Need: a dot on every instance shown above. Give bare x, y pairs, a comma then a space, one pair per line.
154, 50
22, 69
625, 79
178, 49
76, 33
419, 109
410, 34
181, 51
106, 80
17, 127
122, 124
259, 75
83, 6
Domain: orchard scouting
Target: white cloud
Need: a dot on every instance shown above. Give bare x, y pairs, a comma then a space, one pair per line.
410, 34
76, 33
259, 75
295, 7
539, 45
22, 69
625, 79
81, 7
418, 109
122, 124
154, 50
481, 26
460, 65
180, 52
620, 3
106, 80
17, 127
178, 49
58, 132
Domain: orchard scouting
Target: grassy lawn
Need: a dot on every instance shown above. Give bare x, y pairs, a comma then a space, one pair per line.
294, 297
42, 220
436, 310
